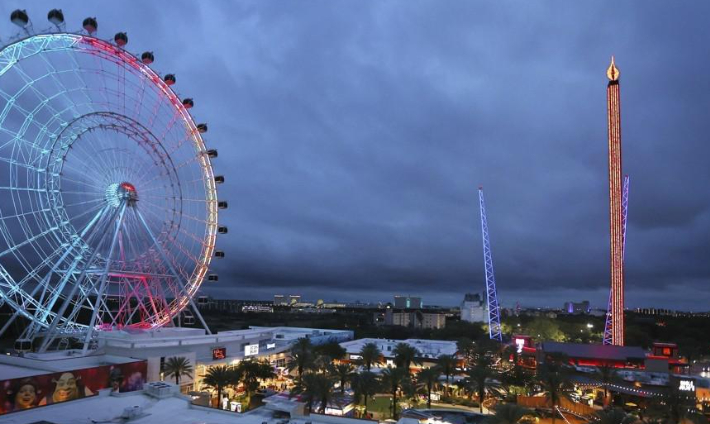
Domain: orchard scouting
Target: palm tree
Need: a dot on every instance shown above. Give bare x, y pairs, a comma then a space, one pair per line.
427, 378
606, 375
509, 413
405, 355
447, 365
555, 382
393, 379
614, 416
305, 387
477, 377
177, 367
315, 387
466, 348
370, 355
677, 406
323, 390
344, 373
300, 361
219, 377
365, 385
302, 357
250, 372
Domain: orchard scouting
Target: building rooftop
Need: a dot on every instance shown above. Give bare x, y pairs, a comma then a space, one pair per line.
173, 410
595, 351
426, 348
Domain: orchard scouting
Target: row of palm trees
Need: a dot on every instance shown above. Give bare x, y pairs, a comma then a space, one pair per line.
248, 373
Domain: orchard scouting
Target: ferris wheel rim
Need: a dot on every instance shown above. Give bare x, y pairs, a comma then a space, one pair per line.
73, 41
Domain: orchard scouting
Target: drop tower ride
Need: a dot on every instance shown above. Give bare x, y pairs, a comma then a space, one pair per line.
616, 230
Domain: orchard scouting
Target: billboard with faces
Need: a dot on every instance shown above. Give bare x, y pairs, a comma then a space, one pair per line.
39, 390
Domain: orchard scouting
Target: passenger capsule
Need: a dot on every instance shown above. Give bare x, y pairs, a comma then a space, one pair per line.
219, 179
90, 25
222, 204
202, 128
213, 277
121, 39
188, 103
169, 79
212, 153
56, 16
222, 230
19, 18
147, 58
219, 254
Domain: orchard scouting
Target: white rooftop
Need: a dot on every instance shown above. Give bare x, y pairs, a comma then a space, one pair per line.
427, 348
173, 410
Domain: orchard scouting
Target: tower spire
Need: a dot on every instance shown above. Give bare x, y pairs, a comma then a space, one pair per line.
615, 206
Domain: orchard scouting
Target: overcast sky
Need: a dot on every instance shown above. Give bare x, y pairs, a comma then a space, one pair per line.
353, 136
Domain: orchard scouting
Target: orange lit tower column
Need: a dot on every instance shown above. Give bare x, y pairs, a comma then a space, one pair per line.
615, 213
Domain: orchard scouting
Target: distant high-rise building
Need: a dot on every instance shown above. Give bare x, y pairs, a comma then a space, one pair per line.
473, 308
415, 319
280, 300
407, 302
293, 299
577, 307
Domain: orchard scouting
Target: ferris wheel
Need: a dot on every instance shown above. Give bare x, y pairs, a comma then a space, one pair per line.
108, 200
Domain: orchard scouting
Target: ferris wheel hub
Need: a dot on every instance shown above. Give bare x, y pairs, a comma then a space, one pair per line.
117, 194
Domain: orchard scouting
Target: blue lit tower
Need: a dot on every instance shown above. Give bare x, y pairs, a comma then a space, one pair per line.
491, 292
624, 222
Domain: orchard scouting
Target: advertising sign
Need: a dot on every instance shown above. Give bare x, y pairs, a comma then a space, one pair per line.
251, 350
219, 353
38, 390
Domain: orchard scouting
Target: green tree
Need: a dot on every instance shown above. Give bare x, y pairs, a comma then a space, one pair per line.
614, 416
332, 350
392, 380
508, 413
344, 374
365, 385
177, 367
218, 377
405, 355
370, 355
545, 329
447, 364
428, 378
250, 372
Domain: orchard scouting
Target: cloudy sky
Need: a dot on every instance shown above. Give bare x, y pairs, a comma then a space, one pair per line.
353, 136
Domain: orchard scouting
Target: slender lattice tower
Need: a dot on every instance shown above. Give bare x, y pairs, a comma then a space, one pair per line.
491, 292
624, 220
615, 208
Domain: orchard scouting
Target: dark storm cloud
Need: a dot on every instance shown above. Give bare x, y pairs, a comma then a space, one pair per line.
353, 137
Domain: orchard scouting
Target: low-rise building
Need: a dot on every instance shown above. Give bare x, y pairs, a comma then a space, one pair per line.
428, 350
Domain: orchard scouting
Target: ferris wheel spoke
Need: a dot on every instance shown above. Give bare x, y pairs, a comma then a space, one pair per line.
168, 263
51, 332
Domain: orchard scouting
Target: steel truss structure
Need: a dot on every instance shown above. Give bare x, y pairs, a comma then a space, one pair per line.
108, 202
494, 328
624, 222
